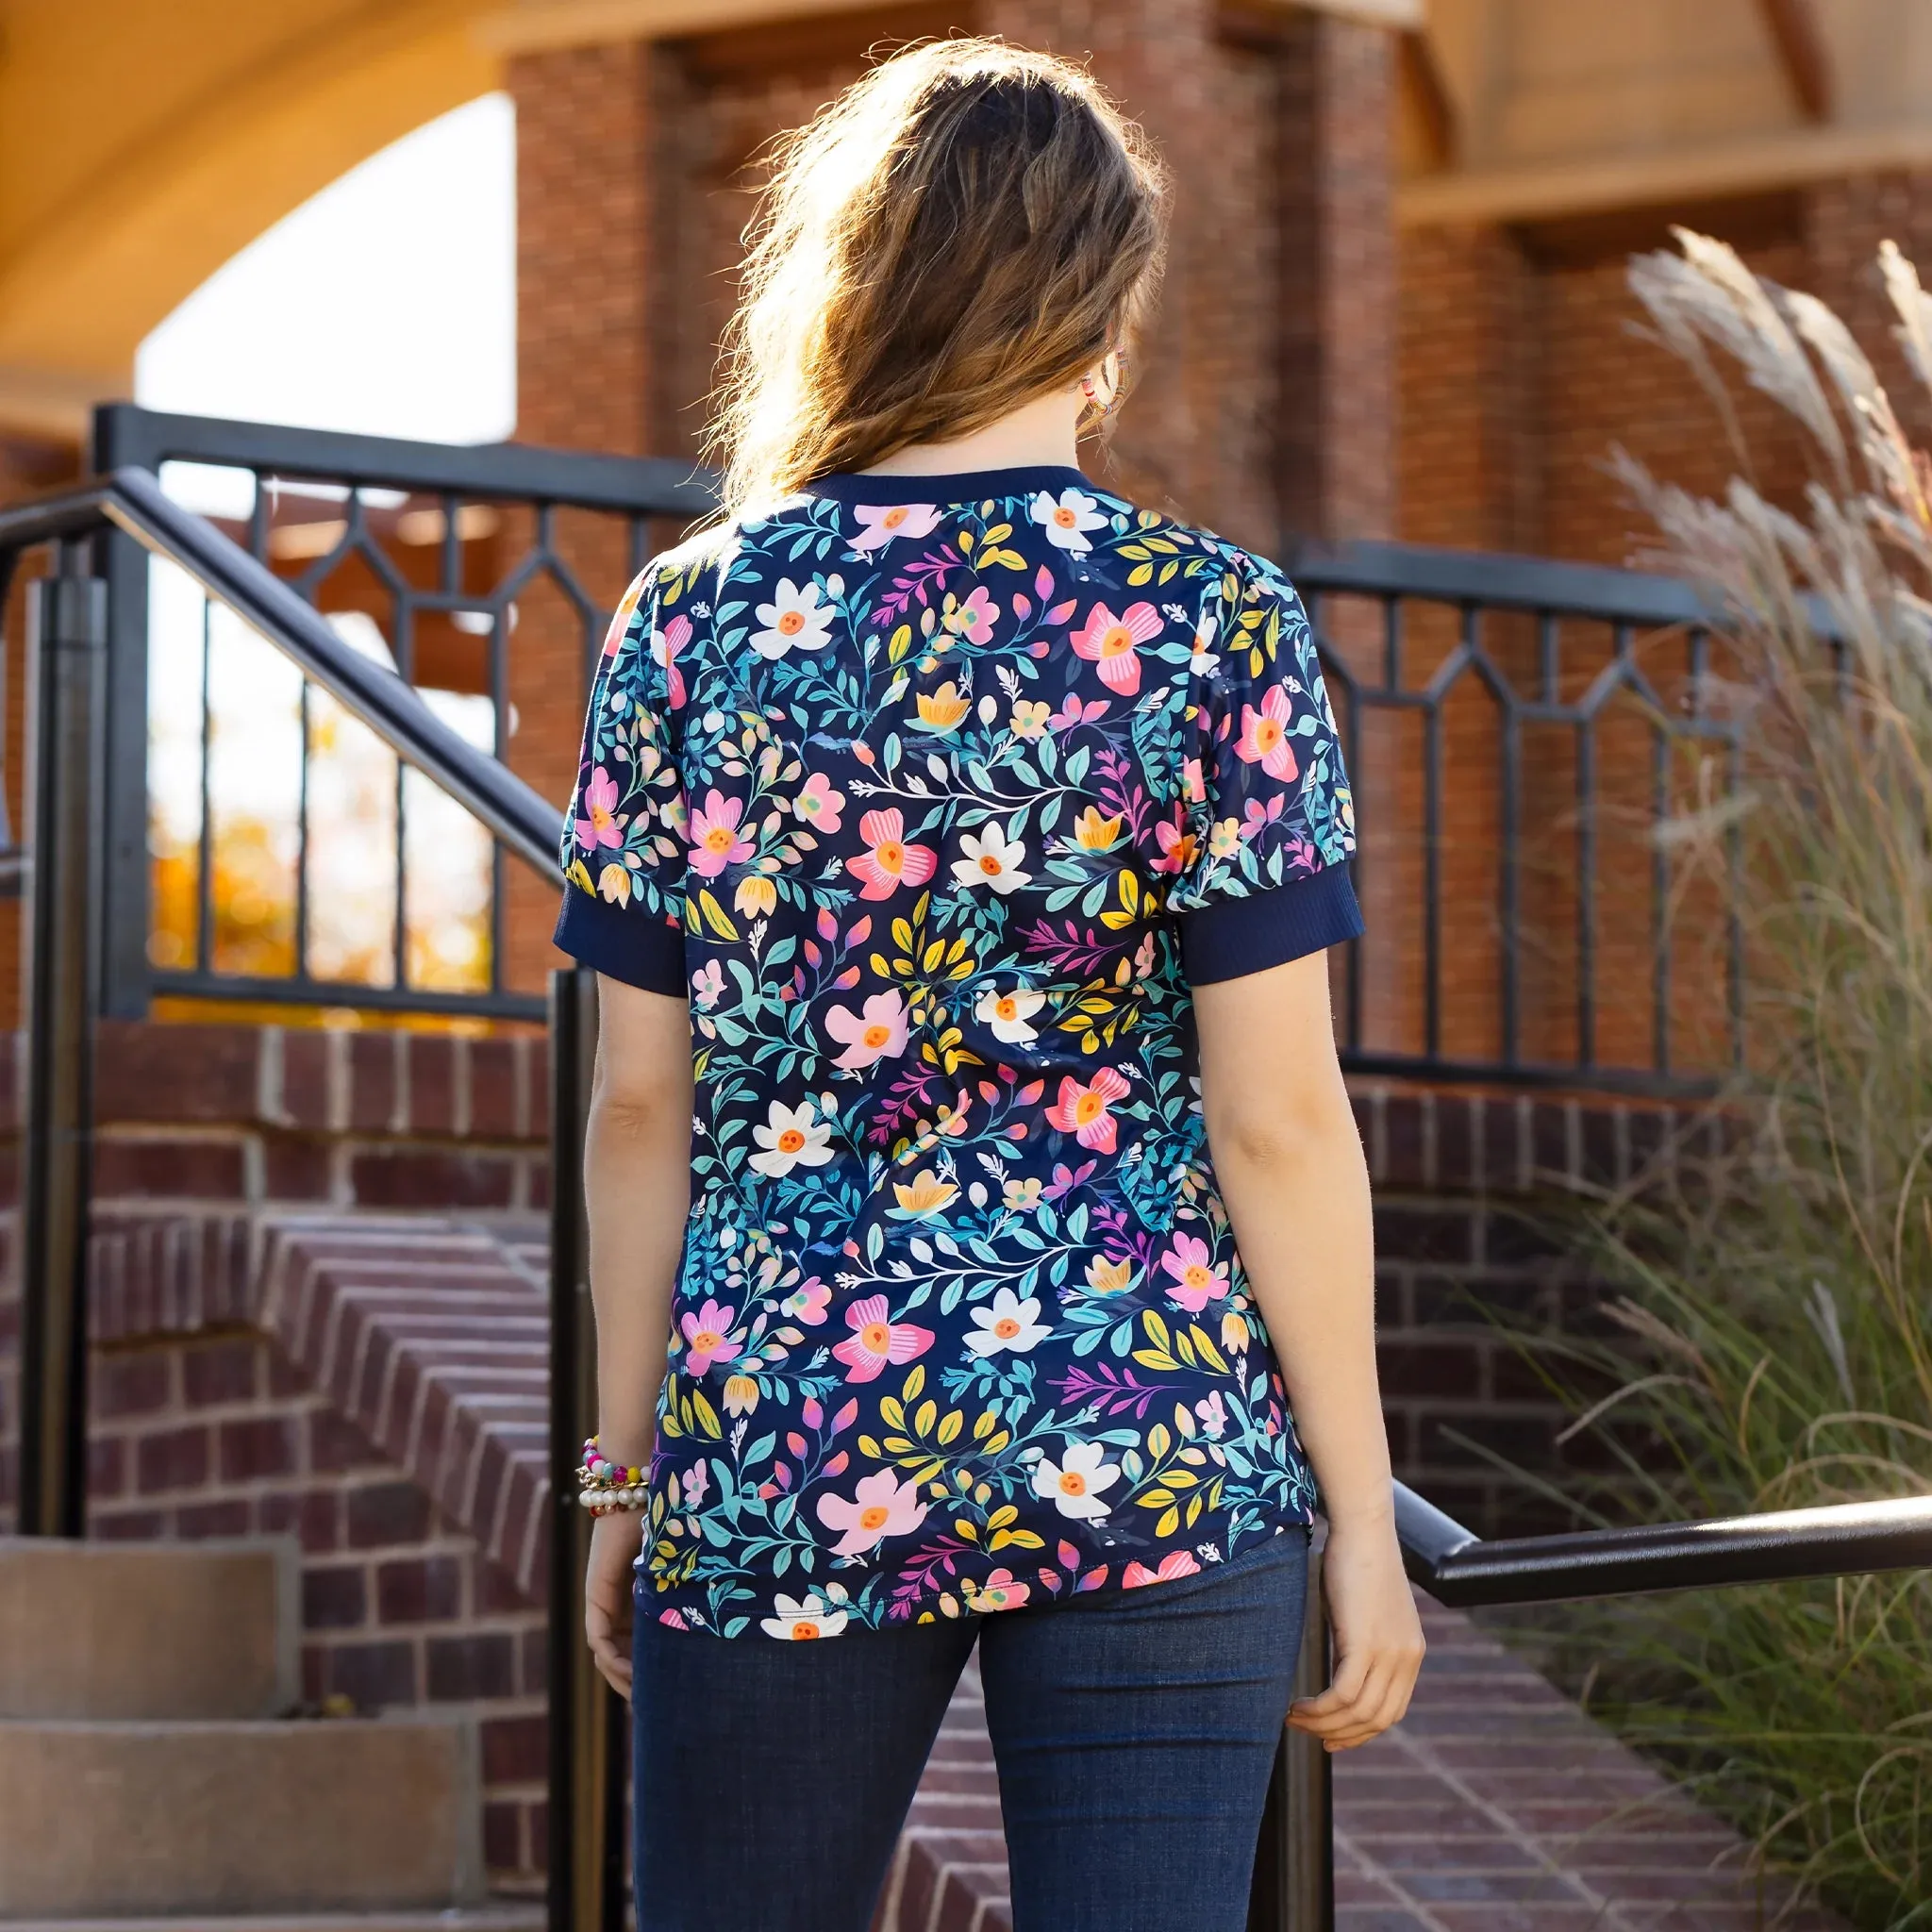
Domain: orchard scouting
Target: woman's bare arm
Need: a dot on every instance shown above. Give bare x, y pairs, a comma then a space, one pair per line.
1290, 1169
637, 1191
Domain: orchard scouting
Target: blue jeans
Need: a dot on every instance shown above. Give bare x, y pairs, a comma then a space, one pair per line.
1134, 1734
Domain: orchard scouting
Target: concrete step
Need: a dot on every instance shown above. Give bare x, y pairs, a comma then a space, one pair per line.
148, 1630
504, 1916
165, 1818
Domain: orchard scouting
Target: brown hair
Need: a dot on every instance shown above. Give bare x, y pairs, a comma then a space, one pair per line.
967, 228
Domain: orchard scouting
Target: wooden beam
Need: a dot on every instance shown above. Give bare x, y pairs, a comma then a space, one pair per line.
1425, 95
1793, 28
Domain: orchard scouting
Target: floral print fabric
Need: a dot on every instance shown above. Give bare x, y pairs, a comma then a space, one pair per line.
933, 795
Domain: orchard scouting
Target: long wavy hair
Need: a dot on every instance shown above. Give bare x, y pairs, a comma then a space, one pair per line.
968, 226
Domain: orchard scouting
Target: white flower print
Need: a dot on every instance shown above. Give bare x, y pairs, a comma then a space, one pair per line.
1007, 1013
1006, 1323
806, 1619
992, 859
1067, 522
794, 620
1073, 1483
792, 1137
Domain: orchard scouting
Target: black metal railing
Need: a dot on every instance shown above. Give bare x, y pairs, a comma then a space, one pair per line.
429, 558
1521, 733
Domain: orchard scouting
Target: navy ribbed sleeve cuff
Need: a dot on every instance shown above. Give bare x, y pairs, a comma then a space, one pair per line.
631, 945
1233, 937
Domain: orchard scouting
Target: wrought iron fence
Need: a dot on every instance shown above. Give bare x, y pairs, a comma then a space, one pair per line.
1522, 734
262, 844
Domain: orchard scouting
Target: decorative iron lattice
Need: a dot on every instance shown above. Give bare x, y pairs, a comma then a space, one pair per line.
262, 847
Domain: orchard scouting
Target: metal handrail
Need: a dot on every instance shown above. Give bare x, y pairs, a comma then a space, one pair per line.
395, 711
1461, 1569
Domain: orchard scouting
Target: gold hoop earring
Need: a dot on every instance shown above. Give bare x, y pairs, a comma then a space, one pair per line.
1105, 396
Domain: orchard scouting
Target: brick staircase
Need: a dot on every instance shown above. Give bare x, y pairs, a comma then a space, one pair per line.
152, 1768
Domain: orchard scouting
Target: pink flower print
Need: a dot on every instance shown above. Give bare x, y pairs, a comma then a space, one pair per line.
1213, 1414
876, 1032
1195, 784
887, 862
1264, 736
715, 839
879, 523
697, 1481
1196, 1280
817, 806
876, 1340
675, 1617
707, 1337
1074, 712
1113, 643
1173, 1566
881, 1505
1178, 842
707, 985
626, 609
973, 619
1002, 1590
808, 1302
1085, 1112
665, 646
599, 826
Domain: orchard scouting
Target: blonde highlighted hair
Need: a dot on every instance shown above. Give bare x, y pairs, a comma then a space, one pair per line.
967, 228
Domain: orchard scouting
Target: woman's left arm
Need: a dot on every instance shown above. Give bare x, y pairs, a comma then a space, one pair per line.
637, 1191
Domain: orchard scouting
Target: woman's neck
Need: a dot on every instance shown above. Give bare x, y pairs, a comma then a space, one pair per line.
1041, 432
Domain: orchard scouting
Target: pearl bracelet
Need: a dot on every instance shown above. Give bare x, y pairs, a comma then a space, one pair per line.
605, 1488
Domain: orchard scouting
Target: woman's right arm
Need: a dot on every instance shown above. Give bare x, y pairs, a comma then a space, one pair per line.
637, 1191
1290, 1165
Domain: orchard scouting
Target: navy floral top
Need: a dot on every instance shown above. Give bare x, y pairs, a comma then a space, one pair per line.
934, 795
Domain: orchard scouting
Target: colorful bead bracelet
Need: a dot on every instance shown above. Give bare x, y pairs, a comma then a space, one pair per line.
603, 1488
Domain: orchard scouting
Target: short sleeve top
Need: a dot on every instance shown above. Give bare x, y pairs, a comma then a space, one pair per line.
935, 796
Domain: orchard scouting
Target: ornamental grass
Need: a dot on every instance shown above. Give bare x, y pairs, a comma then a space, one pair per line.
1770, 1336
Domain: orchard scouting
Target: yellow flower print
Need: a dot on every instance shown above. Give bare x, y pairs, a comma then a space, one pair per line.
1105, 1277
580, 875
741, 1394
926, 1195
1225, 839
1029, 717
613, 883
754, 897
1234, 1333
1022, 1197
942, 710
1095, 833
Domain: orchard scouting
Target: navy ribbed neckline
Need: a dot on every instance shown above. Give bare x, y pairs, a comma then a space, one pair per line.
961, 485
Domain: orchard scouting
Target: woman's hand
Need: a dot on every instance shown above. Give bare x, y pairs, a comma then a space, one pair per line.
1379, 1638
615, 1541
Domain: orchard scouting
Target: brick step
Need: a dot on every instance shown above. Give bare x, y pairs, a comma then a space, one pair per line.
146, 1631
106, 1818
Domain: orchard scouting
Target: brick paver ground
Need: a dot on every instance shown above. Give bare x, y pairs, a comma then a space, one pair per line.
1496, 1807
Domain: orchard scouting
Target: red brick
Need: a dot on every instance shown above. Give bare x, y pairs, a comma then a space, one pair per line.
497, 1593
432, 1083
420, 1589
312, 1516
121, 1385
417, 1177
172, 1459
373, 1675
305, 1076
371, 1081
534, 1663
1435, 1233
203, 1170
127, 1525
515, 1750
336, 1445
150, 1072
380, 1514
294, 1170
334, 1599
107, 1467
220, 1372
463, 1668
261, 1446
503, 1832
195, 1522
493, 1090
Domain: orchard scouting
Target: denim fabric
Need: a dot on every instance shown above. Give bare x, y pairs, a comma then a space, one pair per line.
1134, 1732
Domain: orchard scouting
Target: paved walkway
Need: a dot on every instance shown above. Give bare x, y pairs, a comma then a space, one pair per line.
1497, 1806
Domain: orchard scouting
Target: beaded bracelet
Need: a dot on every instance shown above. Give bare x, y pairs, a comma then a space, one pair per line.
605, 1488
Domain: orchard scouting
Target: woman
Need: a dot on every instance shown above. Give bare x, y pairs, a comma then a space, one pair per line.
960, 843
